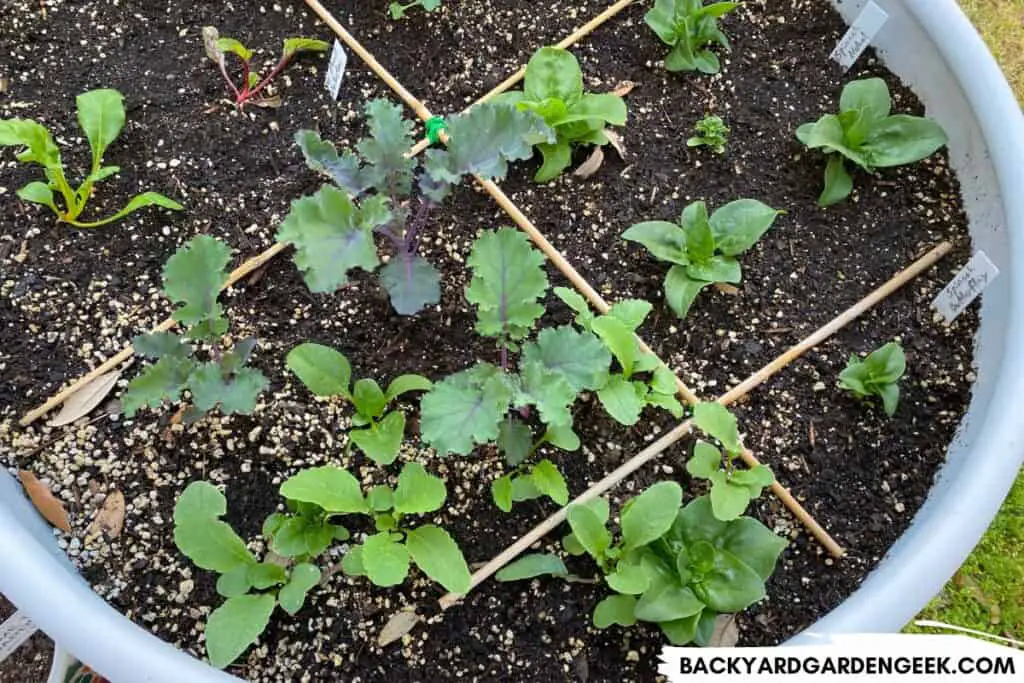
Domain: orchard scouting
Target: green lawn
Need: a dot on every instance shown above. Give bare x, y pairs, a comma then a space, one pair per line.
987, 593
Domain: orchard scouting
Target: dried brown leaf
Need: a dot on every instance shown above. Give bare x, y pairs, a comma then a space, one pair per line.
725, 633
624, 88
615, 140
267, 102
398, 625
726, 288
5, 84
210, 38
110, 519
48, 505
85, 400
591, 165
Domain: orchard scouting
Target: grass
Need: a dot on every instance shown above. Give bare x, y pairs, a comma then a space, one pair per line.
987, 592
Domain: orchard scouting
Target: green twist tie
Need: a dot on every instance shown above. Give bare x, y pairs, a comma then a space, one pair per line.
435, 125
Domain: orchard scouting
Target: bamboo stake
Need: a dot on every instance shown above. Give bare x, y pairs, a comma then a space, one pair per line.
677, 433
257, 261
126, 353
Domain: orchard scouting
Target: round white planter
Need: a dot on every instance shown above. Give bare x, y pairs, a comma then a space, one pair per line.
933, 47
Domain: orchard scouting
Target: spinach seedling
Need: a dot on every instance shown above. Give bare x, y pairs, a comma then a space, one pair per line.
703, 249
676, 567
732, 488
877, 375
865, 133
397, 10
252, 589
193, 277
333, 230
553, 88
384, 557
625, 393
711, 132
688, 27
101, 116
489, 403
327, 372
251, 88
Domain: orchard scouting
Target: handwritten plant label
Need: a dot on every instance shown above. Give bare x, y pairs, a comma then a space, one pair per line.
965, 286
336, 69
857, 38
13, 632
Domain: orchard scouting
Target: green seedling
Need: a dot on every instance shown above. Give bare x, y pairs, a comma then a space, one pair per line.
711, 132
101, 116
397, 10
193, 277
703, 249
689, 27
327, 372
877, 375
865, 133
250, 90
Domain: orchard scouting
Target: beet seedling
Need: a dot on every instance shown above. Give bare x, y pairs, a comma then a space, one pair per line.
865, 133
703, 249
251, 87
877, 375
553, 88
193, 277
101, 116
327, 372
689, 26
678, 567
333, 230
732, 488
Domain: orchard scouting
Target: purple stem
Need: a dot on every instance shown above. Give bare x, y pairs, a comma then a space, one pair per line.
281, 66
227, 79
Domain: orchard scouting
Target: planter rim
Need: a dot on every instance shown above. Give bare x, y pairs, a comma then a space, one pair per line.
63, 605
939, 540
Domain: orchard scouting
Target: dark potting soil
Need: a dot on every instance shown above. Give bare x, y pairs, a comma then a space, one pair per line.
30, 663
70, 298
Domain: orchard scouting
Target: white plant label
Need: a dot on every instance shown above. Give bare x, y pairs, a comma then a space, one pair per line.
336, 69
13, 632
965, 286
856, 40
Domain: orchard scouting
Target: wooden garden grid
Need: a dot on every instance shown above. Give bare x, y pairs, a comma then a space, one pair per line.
657, 447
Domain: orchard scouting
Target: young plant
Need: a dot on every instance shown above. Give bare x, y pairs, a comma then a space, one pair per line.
251, 87
688, 27
711, 132
327, 372
624, 394
384, 557
877, 375
333, 231
252, 589
865, 133
732, 488
703, 249
678, 568
101, 117
398, 10
553, 88
193, 277
473, 406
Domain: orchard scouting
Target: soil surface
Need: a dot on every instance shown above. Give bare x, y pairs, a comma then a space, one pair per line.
30, 663
69, 299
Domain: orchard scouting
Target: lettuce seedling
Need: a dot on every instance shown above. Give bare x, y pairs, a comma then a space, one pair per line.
333, 231
624, 394
101, 116
689, 26
252, 589
877, 375
384, 557
703, 249
553, 88
732, 488
678, 568
398, 10
327, 372
193, 277
865, 133
251, 87
711, 132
